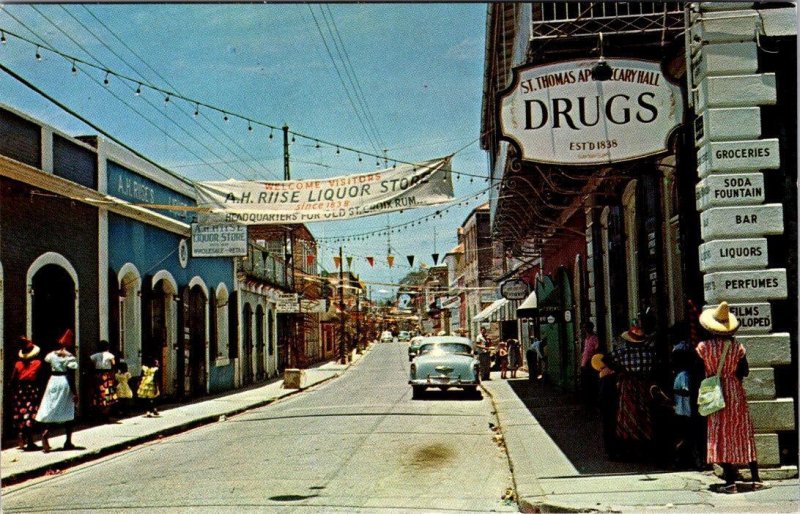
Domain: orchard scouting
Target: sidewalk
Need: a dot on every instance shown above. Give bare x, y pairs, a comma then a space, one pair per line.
558, 463
97, 441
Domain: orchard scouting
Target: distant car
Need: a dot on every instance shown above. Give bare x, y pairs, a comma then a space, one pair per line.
444, 362
387, 337
404, 336
413, 347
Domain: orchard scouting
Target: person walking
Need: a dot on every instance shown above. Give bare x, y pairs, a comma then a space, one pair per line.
633, 362
591, 345
124, 393
105, 395
483, 346
26, 387
148, 388
514, 356
502, 358
58, 402
730, 438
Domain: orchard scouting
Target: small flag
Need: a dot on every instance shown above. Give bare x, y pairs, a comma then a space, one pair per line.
310, 260
338, 261
371, 261
435, 257
410, 260
390, 260
349, 261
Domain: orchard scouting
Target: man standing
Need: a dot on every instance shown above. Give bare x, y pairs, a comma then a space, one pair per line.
482, 347
591, 345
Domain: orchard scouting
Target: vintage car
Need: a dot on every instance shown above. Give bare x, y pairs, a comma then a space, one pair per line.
413, 347
404, 336
444, 362
387, 337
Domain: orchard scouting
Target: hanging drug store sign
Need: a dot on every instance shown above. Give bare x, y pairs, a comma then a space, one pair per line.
558, 114
219, 240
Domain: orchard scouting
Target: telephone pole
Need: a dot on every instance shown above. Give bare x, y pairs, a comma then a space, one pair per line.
342, 340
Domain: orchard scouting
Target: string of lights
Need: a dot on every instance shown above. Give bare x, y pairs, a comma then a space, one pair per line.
439, 213
140, 86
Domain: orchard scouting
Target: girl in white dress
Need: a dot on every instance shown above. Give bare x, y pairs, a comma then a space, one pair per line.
58, 402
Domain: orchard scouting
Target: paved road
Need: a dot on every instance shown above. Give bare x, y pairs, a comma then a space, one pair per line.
358, 443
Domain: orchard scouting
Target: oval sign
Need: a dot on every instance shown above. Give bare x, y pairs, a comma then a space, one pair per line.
514, 289
558, 114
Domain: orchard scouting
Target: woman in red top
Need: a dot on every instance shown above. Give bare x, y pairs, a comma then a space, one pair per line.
730, 431
26, 386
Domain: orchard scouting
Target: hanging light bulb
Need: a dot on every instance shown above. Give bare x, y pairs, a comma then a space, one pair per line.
317, 144
166, 100
359, 158
196, 110
225, 117
270, 133
471, 180
74, 68
105, 79
38, 54
337, 151
394, 165
293, 138
138, 90
3, 37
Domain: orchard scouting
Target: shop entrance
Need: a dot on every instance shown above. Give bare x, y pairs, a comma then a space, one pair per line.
53, 306
161, 340
247, 356
192, 360
260, 373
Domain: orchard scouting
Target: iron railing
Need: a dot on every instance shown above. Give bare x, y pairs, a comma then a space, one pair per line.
576, 19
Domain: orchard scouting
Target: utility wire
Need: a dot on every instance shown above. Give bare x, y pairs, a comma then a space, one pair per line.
166, 81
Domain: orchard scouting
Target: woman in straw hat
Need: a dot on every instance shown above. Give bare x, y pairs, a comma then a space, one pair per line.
730, 430
633, 362
58, 402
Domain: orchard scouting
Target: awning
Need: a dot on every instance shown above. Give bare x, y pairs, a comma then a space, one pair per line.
490, 312
529, 307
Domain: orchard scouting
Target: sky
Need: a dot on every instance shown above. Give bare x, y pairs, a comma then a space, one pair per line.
406, 78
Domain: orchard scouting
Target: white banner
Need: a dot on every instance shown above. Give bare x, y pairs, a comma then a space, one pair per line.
556, 113
405, 186
219, 240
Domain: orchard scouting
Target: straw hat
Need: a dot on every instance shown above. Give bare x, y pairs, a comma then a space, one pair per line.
720, 320
28, 350
634, 334
597, 362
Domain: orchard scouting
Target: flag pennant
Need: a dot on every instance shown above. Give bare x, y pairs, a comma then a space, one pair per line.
390, 260
310, 260
410, 260
371, 261
435, 257
338, 261
349, 261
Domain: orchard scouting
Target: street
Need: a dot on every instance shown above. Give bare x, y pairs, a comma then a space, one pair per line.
356, 443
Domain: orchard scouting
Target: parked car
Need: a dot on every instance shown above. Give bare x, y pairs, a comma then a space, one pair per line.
404, 336
387, 337
413, 347
444, 362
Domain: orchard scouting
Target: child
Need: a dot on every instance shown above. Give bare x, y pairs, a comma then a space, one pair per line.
124, 392
681, 388
502, 358
148, 388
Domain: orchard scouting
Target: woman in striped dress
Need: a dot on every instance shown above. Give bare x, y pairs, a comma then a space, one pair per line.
730, 431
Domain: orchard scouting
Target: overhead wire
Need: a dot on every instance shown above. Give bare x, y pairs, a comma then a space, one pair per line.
166, 81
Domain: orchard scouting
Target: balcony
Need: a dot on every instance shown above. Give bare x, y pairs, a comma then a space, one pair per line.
262, 265
586, 19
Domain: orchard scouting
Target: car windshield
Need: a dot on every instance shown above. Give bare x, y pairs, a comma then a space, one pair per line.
445, 348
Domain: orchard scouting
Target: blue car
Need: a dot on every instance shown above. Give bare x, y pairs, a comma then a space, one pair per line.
445, 362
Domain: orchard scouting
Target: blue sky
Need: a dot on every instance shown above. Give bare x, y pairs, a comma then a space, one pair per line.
419, 67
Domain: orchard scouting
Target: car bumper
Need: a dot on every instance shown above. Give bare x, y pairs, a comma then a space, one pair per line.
443, 381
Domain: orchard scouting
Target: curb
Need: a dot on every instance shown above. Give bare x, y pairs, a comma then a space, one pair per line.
138, 440
505, 449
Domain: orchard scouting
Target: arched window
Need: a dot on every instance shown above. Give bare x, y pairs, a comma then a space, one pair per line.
130, 317
222, 323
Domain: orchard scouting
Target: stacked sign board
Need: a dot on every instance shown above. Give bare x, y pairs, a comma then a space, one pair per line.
733, 157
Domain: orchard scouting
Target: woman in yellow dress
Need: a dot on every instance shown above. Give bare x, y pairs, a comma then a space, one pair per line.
148, 388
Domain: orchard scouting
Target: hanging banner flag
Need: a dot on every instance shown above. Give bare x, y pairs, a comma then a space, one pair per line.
435, 257
337, 260
310, 260
349, 261
371, 261
410, 260
390, 260
250, 202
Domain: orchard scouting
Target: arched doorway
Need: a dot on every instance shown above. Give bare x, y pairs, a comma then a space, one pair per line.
247, 350
52, 307
260, 374
130, 317
192, 362
163, 328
